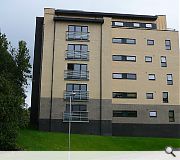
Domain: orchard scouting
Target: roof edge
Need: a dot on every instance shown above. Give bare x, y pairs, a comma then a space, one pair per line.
103, 14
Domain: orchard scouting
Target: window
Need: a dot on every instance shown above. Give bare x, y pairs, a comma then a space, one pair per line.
76, 107
152, 114
76, 87
118, 24
148, 59
124, 113
124, 76
148, 25
136, 24
165, 97
171, 116
149, 96
77, 51
130, 41
77, 32
150, 42
169, 79
124, 95
168, 44
163, 61
151, 77
124, 58
124, 40
77, 67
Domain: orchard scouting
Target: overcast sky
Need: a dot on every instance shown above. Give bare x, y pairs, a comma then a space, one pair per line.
17, 17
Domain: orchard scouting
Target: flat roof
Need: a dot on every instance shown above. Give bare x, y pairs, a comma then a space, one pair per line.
103, 14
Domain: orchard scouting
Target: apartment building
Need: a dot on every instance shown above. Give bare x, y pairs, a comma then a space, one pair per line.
120, 72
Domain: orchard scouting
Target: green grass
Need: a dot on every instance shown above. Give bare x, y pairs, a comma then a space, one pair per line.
33, 140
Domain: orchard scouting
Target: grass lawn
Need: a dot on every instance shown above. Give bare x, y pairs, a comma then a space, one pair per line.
33, 140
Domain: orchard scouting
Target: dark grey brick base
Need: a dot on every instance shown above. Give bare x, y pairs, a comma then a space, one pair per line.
146, 130
92, 127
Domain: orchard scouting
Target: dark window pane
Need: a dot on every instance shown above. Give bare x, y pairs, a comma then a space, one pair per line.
70, 66
78, 28
70, 47
84, 29
71, 28
84, 48
171, 116
121, 113
83, 67
131, 76
77, 47
76, 87
69, 87
83, 87
117, 58
150, 42
149, 95
130, 41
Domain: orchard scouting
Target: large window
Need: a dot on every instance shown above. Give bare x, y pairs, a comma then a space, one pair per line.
76, 107
131, 76
149, 96
163, 61
125, 95
124, 58
165, 97
124, 113
77, 67
168, 44
169, 79
77, 51
150, 42
134, 24
77, 32
124, 40
151, 77
171, 116
148, 59
76, 87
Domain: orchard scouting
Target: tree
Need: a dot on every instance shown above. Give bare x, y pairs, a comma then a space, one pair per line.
14, 73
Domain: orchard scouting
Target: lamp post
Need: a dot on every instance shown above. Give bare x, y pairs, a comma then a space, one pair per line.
70, 118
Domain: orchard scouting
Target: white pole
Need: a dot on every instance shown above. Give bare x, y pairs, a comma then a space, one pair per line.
70, 126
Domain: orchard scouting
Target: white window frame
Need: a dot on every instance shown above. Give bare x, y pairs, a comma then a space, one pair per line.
151, 77
152, 113
148, 25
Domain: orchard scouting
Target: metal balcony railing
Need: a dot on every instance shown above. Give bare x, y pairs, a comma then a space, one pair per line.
75, 116
79, 95
77, 35
77, 55
76, 75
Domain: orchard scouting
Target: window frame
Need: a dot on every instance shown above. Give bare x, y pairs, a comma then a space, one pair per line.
148, 60
124, 58
125, 76
168, 46
165, 100
151, 78
124, 95
153, 116
124, 40
169, 82
73, 85
128, 112
150, 40
150, 93
163, 64
173, 117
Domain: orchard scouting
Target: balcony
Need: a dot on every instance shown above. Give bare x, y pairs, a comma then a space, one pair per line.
76, 75
77, 55
75, 116
83, 36
79, 95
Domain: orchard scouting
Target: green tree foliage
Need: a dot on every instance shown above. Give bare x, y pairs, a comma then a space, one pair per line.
14, 74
